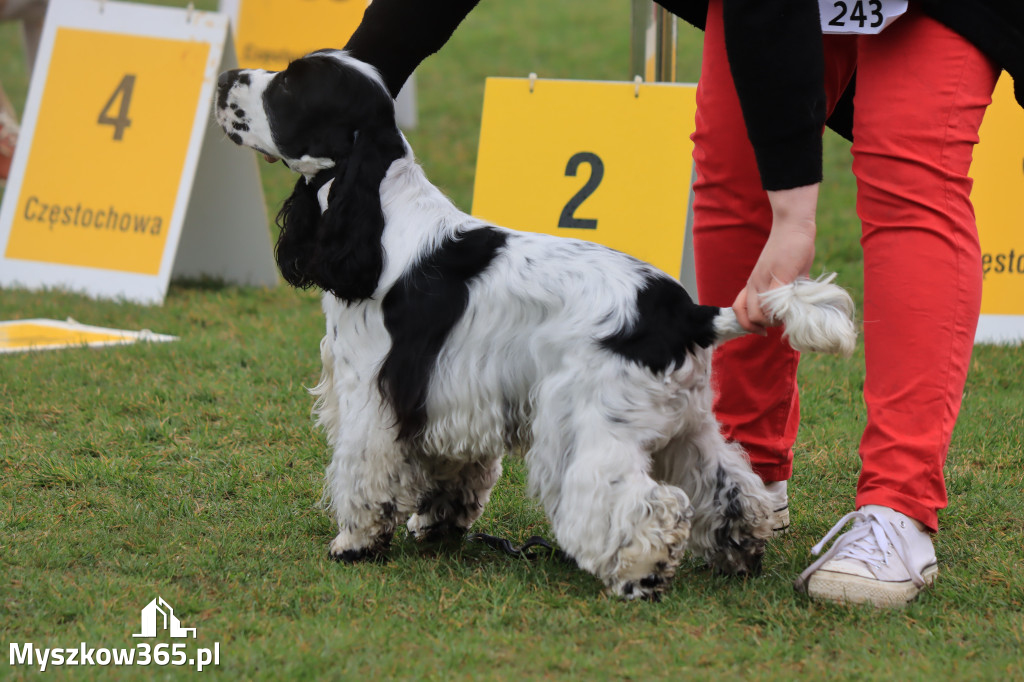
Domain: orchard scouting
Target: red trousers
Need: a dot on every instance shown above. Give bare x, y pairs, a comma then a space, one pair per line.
921, 94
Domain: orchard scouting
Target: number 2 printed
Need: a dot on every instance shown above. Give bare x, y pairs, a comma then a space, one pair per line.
568, 217
121, 121
857, 14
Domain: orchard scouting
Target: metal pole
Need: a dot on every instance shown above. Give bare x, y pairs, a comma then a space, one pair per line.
653, 44
653, 58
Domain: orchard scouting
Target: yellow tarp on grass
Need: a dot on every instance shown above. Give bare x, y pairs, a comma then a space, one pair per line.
28, 335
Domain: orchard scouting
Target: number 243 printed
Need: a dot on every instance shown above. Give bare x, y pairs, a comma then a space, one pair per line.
856, 14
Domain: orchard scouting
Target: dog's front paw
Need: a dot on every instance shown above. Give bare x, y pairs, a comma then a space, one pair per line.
648, 588
347, 548
645, 567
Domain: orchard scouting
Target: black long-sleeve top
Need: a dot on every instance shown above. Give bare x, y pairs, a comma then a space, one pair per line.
775, 54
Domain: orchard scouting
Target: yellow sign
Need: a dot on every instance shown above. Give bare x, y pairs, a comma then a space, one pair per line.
31, 335
998, 197
104, 170
605, 162
272, 33
116, 185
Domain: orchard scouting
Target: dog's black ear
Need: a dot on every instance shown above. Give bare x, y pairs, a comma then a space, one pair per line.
351, 256
341, 251
298, 221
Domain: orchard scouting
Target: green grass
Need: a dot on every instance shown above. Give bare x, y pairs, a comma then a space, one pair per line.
192, 470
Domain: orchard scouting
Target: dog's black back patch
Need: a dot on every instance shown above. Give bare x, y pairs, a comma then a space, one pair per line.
668, 326
420, 311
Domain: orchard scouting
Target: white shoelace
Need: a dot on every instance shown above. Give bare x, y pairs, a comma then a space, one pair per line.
868, 542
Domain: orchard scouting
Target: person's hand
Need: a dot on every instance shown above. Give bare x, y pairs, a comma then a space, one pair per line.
788, 254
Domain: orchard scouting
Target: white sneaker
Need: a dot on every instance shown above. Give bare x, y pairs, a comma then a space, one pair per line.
884, 560
780, 507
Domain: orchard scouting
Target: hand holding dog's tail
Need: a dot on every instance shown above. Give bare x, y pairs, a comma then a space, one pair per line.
817, 315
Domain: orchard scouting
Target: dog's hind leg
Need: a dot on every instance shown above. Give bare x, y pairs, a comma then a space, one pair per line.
455, 498
732, 512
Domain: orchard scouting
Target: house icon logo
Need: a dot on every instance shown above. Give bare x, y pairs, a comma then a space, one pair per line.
159, 613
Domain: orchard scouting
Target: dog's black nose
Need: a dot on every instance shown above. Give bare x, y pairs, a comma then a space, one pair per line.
224, 83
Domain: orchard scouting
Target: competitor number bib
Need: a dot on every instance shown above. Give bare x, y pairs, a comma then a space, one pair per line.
865, 17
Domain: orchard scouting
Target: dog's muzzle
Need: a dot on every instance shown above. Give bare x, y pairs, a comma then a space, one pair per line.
225, 82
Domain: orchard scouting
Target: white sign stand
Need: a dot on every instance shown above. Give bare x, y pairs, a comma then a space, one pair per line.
87, 178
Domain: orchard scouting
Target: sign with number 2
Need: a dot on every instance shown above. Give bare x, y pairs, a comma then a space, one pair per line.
602, 161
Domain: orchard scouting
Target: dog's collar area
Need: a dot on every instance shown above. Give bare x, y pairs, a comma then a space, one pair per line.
309, 166
318, 180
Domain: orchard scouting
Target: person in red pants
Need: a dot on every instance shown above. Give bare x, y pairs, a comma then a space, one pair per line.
921, 93
911, 98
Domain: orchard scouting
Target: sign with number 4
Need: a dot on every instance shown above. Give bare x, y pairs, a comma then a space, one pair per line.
115, 186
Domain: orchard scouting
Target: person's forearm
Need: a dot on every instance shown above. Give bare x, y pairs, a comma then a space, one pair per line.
396, 35
794, 209
777, 61
786, 256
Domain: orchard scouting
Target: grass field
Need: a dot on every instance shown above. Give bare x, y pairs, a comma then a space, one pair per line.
191, 470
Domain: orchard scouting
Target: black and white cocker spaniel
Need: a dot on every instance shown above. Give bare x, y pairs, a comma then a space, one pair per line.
451, 342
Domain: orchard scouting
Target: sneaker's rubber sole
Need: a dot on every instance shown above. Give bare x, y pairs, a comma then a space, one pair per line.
852, 589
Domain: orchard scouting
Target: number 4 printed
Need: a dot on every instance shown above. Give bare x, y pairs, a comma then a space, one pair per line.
121, 121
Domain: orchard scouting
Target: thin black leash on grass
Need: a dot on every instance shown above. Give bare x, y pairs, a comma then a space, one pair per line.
526, 550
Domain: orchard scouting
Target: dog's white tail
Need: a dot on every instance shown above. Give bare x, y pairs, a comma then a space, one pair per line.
817, 315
